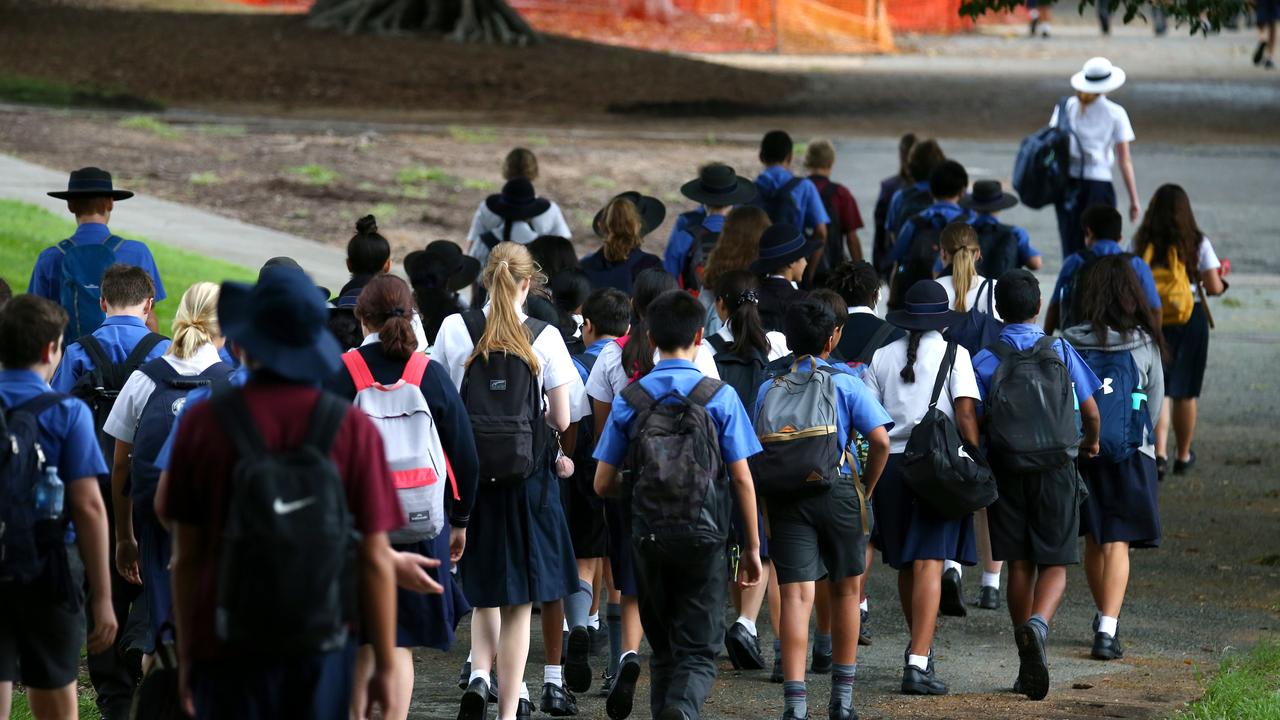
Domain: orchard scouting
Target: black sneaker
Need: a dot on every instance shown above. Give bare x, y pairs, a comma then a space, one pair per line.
743, 648
952, 601
839, 711
821, 664
788, 715
577, 660
1106, 647
864, 629
464, 678
621, 697
670, 713
1033, 667
475, 701
776, 676
1184, 466
524, 709
606, 683
558, 701
1269, 64
989, 598
921, 682
1260, 53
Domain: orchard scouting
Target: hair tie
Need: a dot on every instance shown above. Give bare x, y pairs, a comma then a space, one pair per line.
397, 312
748, 296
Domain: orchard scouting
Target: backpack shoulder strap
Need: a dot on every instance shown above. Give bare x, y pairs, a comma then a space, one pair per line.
1001, 349
38, 404
326, 419
98, 355
535, 326
490, 240
944, 371
991, 296
704, 391
638, 398
415, 369
139, 354
113, 243
159, 371
718, 342
475, 322
828, 192
65, 246
233, 414
877, 339
791, 184
358, 368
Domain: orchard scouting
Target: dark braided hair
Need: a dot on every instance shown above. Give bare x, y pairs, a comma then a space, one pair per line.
908, 373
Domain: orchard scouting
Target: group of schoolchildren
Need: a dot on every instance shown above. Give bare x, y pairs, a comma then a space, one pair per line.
296, 490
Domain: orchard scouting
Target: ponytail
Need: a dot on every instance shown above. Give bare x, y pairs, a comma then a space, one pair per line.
196, 322
908, 373
385, 306
509, 265
737, 290
622, 229
960, 241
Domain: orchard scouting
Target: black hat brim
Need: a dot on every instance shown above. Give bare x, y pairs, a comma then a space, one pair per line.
907, 321
460, 270
1006, 201
517, 212
316, 361
764, 266
744, 191
73, 194
652, 213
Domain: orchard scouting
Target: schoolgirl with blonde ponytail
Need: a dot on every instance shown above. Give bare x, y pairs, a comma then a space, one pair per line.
961, 253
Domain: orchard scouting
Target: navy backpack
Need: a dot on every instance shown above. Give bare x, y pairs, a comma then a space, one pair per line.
24, 539
78, 293
977, 329
1122, 403
1042, 170
779, 204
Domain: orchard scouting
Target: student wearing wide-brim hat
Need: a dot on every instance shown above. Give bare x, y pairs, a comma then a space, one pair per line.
516, 214
987, 199
717, 189
1101, 134
623, 223
784, 255
914, 541
438, 274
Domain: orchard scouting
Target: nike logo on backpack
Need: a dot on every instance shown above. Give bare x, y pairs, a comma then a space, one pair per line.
284, 508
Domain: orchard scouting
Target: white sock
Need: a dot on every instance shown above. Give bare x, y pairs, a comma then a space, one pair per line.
623, 657
482, 674
750, 625
952, 565
1107, 625
566, 624
593, 620
468, 657
553, 674
920, 662
863, 605
991, 579
524, 691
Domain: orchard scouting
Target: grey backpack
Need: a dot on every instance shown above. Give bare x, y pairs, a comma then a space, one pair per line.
796, 424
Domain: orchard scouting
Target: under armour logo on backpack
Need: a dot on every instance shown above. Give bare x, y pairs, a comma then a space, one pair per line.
1106, 386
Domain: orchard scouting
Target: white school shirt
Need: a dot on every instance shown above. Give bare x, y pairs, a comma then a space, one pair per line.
971, 297
523, 232
777, 343
122, 423
607, 377
1207, 260
453, 347
908, 402
1097, 130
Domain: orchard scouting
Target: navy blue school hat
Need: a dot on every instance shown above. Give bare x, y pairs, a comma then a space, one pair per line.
90, 182
926, 308
782, 245
280, 323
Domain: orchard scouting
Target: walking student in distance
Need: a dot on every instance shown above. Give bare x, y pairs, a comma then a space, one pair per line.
368, 256
1101, 134
717, 190
438, 274
1004, 247
280, 457
737, 248
1033, 386
69, 272
788, 199
913, 540
915, 247
680, 519
844, 220
912, 197
1186, 271
784, 256
889, 187
623, 224
41, 621
1120, 340
516, 214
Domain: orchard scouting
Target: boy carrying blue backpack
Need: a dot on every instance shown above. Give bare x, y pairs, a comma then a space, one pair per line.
788, 199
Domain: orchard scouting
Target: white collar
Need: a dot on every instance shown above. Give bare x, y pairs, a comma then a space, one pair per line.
794, 284
204, 356
862, 310
370, 339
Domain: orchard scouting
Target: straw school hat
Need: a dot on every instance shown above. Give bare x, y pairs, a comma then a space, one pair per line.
927, 308
1098, 76
90, 182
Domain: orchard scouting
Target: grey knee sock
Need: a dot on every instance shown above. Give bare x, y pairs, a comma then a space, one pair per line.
796, 698
577, 607
842, 683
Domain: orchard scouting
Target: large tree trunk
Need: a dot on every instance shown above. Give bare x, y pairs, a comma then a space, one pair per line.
488, 21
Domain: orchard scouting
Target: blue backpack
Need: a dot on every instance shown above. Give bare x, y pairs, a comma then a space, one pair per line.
158, 416
1042, 170
977, 329
24, 540
779, 204
1121, 403
79, 294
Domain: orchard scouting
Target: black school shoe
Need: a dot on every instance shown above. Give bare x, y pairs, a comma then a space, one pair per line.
988, 598
671, 713
837, 711
821, 664
524, 710
577, 660
864, 629
558, 701
464, 677
1106, 647
921, 682
621, 697
1033, 668
1184, 466
788, 715
952, 601
743, 648
606, 683
475, 701
1259, 53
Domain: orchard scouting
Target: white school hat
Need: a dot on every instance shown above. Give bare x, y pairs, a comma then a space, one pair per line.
1098, 76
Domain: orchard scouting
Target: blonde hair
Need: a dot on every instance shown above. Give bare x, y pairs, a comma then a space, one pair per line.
509, 265
622, 229
960, 241
820, 155
196, 322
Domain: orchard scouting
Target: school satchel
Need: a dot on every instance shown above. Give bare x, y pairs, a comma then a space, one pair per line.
999, 245
286, 566
977, 329
1173, 285
25, 541
78, 291
158, 416
158, 696
504, 399
695, 261
1042, 169
945, 473
1030, 409
1126, 418
411, 441
913, 201
676, 484
779, 204
796, 424
100, 387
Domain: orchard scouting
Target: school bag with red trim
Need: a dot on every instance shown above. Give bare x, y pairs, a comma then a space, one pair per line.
412, 444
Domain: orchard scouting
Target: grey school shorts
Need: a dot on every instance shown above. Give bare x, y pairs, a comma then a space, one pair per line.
818, 536
42, 634
1037, 517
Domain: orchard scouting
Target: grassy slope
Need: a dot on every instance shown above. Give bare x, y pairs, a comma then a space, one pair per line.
1246, 687
25, 230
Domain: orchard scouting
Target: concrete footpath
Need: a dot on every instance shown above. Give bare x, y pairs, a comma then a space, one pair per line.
182, 226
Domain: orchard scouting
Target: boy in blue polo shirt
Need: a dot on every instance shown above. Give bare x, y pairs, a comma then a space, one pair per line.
680, 565
1035, 522
1102, 226
789, 199
41, 625
986, 201
915, 248
717, 190
823, 536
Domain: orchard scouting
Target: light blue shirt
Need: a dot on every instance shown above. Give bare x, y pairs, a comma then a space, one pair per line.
118, 335
1102, 248
1022, 336
46, 276
805, 195
895, 205
67, 436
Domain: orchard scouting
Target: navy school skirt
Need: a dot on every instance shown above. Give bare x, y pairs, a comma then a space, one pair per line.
1123, 503
430, 620
1188, 353
154, 552
907, 531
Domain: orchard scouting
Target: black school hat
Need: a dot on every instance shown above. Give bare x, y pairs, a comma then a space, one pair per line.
90, 182
652, 212
988, 196
926, 308
517, 201
782, 245
718, 185
441, 264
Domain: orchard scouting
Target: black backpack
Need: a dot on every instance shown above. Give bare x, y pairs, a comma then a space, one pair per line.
1069, 305
286, 568
834, 254
504, 399
918, 263
778, 203
977, 329
1030, 409
1042, 169
25, 541
100, 387
744, 374
999, 244
675, 485
584, 464
704, 241
946, 474
914, 201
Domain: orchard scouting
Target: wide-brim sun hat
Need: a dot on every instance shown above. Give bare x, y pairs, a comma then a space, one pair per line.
90, 182
281, 323
988, 196
517, 201
926, 308
652, 212
442, 263
717, 185
1098, 76
781, 245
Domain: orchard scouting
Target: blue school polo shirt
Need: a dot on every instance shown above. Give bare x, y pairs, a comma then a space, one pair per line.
1102, 248
895, 205
1025, 251
689, 217
67, 436
118, 335
200, 394
1022, 336
948, 211
856, 406
737, 437
681, 242
46, 276
807, 199
594, 351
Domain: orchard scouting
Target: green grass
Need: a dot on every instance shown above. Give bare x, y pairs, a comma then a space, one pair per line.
151, 124
1247, 687
35, 91
385, 212
313, 174
419, 174
26, 230
205, 178
474, 136
476, 184
217, 130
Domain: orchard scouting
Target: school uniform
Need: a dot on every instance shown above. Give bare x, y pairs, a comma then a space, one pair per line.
584, 510
894, 220
428, 620
1025, 250
680, 244
117, 335
1037, 516
859, 327
905, 529
347, 298
985, 303
1123, 502
41, 623
1096, 129
880, 244
518, 544
46, 276
1103, 248
604, 273
523, 231
776, 295
823, 535
1188, 345
939, 214
804, 194
681, 589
